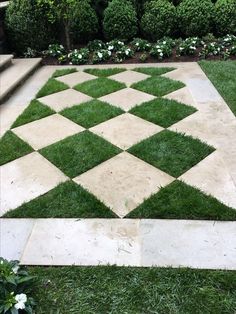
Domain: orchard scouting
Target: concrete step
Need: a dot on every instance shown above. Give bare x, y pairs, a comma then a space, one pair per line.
5, 61
15, 75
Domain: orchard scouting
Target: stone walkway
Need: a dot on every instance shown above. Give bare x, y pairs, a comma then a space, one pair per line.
123, 181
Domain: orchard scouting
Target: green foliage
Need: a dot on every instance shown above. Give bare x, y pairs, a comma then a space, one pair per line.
27, 26
85, 23
195, 17
15, 284
225, 17
158, 20
120, 20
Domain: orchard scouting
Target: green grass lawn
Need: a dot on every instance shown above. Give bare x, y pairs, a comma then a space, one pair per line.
223, 75
91, 113
62, 72
130, 290
153, 71
163, 112
12, 147
67, 200
104, 72
79, 153
171, 152
52, 86
158, 85
99, 87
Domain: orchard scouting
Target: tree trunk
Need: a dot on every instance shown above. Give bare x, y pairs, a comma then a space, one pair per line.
67, 34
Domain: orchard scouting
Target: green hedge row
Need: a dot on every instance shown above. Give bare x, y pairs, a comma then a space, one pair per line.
28, 23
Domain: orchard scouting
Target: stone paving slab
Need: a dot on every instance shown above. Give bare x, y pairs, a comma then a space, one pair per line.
129, 77
146, 242
76, 78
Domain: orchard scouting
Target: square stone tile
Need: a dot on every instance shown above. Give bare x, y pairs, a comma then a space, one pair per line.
47, 131
123, 182
127, 98
126, 130
25, 179
76, 78
64, 99
129, 77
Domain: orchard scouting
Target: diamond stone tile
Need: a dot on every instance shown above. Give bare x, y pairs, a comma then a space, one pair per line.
129, 77
182, 95
126, 130
64, 99
123, 182
127, 98
25, 179
76, 78
47, 131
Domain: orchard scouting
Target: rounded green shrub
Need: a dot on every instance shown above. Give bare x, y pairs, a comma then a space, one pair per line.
120, 20
26, 26
195, 17
225, 17
158, 19
85, 25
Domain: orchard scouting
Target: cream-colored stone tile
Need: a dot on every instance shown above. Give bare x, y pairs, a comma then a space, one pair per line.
76, 78
126, 130
64, 99
83, 242
47, 131
129, 77
14, 234
212, 177
8, 114
127, 98
123, 182
182, 95
26, 178
188, 243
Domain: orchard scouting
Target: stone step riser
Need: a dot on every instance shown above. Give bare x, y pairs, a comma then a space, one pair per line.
5, 62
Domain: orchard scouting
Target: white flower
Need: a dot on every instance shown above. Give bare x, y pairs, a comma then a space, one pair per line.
164, 42
1, 262
100, 45
15, 269
161, 54
127, 52
159, 50
21, 300
100, 55
109, 53
137, 44
110, 47
181, 48
157, 46
80, 56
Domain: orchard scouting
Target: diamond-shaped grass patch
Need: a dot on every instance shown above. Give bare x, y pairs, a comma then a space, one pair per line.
91, 113
67, 200
181, 201
153, 71
163, 112
171, 152
62, 72
158, 85
52, 86
35, 111
79, 153
12, 147
104, 72
99, 87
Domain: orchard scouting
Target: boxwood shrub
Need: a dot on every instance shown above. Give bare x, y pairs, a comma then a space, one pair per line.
158, 19
85, 25
120, 20
27, 26
195, 17
225, 17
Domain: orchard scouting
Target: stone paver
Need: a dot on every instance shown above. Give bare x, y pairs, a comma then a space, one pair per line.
182, 95
212, 177
64, 99
127, 98
26, 178
123, 182
76, 78
129, 77
126, 130
14, 235
147, 242
46, 131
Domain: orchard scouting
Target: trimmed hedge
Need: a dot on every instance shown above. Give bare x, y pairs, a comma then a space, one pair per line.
85, 26
225, 17
120, 20
27, 26
158, 20
195, 17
